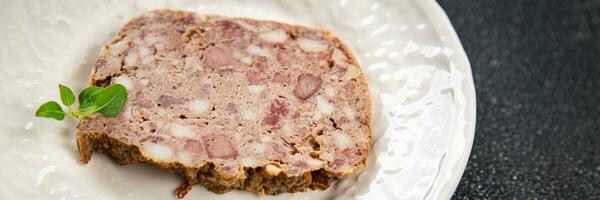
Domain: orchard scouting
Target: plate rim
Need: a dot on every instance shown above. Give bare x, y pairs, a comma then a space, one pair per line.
443, 27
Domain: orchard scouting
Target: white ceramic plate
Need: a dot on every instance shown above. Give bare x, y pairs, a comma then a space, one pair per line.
418, 73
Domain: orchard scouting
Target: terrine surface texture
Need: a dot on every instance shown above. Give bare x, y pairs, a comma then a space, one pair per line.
232, 103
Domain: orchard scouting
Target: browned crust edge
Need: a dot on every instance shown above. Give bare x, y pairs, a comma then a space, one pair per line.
254, 179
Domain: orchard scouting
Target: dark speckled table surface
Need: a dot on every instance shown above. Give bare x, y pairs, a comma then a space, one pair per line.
536, 66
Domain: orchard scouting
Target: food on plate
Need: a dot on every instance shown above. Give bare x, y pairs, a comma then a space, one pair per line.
232, 103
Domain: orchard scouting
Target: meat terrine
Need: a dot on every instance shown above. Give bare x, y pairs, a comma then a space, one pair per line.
232, 103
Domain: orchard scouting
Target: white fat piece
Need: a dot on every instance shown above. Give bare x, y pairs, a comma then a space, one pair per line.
127, 113
314, 163
192, 62
130, 60
244, 58
273, 170
248, 115
144, 82
286, 128
339, 57
352, 72
185, 157
266, 138
342, 139
179, 130
317, 115
311, 46
198, 106
157, 151
255, 89
258, 51
349, 112
125, 81
258, 147
151, 39
344, 169
323, 106
247, 26
329, 91
249, 161
118, 47
145, 55
326, 156
274, 36
161, 112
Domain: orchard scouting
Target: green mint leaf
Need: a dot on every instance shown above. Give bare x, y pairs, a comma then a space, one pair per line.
66, 95
87, 108
111, 100
50, 109
108, 101
89, 94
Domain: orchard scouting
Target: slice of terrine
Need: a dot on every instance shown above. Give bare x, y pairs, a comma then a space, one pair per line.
232, 103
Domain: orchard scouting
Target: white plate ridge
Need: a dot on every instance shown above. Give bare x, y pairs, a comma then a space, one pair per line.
419, 76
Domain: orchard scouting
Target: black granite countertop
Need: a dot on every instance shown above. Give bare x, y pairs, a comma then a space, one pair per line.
536, 65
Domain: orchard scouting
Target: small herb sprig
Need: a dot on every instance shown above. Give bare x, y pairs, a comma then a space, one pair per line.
108, 101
